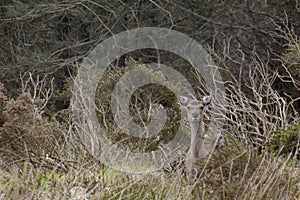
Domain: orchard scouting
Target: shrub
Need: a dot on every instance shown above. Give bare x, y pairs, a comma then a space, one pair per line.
286, 141
24, 135
139, 107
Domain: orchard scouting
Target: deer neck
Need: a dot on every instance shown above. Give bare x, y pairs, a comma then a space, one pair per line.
196, 133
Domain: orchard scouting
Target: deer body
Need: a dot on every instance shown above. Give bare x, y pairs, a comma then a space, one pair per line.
195, 117
192, 157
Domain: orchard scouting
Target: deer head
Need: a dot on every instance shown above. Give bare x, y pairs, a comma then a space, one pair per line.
194, 107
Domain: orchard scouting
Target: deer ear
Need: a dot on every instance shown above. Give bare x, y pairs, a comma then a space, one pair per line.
183, 100
206, 100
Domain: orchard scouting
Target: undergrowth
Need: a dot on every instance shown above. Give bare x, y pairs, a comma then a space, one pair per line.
44, 158
229, 173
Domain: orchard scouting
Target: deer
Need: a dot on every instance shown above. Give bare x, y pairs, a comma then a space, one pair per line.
195, 110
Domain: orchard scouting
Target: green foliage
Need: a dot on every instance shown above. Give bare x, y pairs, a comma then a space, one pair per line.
286, 141
16, 11
49, 176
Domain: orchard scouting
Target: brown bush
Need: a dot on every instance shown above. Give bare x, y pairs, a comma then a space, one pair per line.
23, 132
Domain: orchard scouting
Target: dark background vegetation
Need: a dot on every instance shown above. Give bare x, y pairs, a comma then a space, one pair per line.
50, 37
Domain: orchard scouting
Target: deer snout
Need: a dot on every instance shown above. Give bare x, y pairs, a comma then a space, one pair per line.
195, 115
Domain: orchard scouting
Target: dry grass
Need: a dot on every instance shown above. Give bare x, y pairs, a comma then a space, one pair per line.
241, 177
